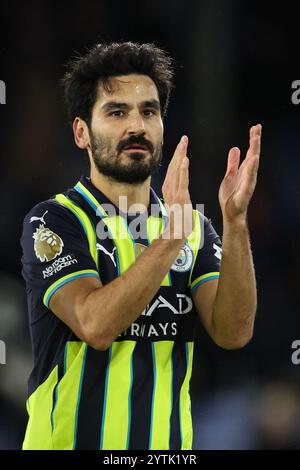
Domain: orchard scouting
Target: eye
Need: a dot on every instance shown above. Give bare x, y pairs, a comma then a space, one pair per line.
148, 112
117, 113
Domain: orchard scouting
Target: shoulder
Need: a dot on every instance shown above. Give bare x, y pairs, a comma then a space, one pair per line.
50, 219
205, 222
48, 210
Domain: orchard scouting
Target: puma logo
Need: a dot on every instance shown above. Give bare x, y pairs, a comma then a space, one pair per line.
32, 219
111, 255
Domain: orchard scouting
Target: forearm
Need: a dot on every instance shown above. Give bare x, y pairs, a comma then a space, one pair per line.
235, 303
111, 309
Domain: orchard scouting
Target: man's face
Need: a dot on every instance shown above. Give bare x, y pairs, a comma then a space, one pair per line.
126, 129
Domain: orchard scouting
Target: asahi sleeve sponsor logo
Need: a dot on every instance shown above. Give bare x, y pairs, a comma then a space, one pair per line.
47, 244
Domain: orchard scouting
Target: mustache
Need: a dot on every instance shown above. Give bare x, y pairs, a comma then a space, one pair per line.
134, 139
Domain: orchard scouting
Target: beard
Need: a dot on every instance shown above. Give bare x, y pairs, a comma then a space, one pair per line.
109, 161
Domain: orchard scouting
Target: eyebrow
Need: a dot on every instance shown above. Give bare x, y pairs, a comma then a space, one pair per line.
151, 104
110, 105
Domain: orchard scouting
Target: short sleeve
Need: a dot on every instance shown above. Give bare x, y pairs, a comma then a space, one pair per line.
55, 250
208, 259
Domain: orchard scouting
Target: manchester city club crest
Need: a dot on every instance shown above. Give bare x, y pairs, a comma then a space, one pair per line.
184, 260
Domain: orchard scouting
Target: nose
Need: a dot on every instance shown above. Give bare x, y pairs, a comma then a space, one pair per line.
136, 124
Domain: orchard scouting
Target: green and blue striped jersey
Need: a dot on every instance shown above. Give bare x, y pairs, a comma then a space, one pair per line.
135, 395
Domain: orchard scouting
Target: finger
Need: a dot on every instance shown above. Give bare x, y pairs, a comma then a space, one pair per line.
254, 146
255, 139
233, 161
184, 175
254, 149
174, 165
248, 181
253, 154
255, 130
179, 154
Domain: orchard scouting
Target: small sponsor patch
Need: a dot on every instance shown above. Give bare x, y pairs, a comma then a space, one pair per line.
47, 244
58, 265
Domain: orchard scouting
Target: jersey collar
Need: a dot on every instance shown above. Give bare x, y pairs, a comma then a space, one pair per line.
96, 199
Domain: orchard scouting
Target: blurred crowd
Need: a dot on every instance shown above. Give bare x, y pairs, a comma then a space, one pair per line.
234, 68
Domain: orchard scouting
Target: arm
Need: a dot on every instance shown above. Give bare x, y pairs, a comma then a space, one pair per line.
98, 314
235, 303
227, 307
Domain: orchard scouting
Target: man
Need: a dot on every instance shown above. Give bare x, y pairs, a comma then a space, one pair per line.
112, 314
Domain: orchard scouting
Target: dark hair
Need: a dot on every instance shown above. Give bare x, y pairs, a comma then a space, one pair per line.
84, 72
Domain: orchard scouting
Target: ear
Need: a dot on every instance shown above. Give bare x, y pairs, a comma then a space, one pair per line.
81, 133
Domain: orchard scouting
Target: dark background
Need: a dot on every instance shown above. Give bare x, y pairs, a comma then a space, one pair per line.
235, 63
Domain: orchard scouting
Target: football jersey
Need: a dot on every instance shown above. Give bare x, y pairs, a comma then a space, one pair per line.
135, 394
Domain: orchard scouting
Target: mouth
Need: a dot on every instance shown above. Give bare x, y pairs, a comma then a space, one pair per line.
136, 148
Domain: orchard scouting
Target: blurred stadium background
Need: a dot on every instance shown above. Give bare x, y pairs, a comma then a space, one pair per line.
235, 63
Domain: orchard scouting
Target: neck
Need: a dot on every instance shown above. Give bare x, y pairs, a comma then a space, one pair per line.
134, 193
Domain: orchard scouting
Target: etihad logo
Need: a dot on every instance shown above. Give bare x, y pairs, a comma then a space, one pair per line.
58, 265
148, 331
160, 329
47, 244
184, 306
